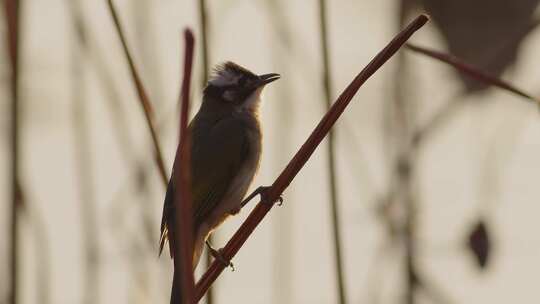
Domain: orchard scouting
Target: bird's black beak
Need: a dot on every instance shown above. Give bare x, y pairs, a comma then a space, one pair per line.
267, 78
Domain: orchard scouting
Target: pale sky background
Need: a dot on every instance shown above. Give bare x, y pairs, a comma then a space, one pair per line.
487, 154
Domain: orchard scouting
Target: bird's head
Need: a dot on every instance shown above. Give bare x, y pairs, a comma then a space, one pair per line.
236, 88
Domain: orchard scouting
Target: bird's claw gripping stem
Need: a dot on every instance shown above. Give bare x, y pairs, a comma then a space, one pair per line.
280, 201
216, 254
263, 192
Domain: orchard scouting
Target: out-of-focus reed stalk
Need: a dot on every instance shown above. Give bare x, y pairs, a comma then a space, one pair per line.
43, 256
203, 25
283, 285
146, 44
184, 290
301, 157
13, 17
135, 164
104, 75
143, 96
331, 157
84, 162
403, 175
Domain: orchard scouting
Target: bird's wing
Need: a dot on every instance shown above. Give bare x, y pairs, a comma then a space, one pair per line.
216, 158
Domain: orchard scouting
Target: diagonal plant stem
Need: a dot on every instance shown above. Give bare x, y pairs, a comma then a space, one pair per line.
331, 160
13, 16
301, 157
183, 269
471, 71
143, 96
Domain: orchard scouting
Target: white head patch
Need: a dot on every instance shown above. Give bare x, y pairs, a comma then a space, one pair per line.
225, 78
228, 73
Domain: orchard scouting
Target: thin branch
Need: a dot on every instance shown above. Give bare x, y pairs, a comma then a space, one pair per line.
12, 15
183, 268
471, 71
331, 159
450, 108
143, 96
304, 153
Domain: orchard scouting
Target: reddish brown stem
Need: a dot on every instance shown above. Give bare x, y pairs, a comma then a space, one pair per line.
471, 71
203, 37
183, 261
303, 155
143, 96
12, 15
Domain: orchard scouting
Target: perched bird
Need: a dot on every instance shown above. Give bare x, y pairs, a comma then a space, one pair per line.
225, 152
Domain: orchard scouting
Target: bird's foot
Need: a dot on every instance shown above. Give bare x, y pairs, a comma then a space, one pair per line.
216, 254
263, 192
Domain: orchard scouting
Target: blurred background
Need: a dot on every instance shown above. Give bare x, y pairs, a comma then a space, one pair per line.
433, 176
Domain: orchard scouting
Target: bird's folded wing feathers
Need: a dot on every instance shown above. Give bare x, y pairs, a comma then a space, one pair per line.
216, 158
218, 161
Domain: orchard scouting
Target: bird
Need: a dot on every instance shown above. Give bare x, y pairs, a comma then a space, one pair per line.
226, 147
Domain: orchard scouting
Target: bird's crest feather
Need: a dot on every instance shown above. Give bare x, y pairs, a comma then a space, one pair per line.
228, 73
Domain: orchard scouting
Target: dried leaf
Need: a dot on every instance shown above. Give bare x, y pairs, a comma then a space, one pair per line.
486, 33
479, 244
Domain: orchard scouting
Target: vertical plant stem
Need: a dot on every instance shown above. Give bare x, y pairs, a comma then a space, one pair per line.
405, 163
203, 24
147, 45
43, 256
331, 159
84, 163
12, 14
283, 285
183, 255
